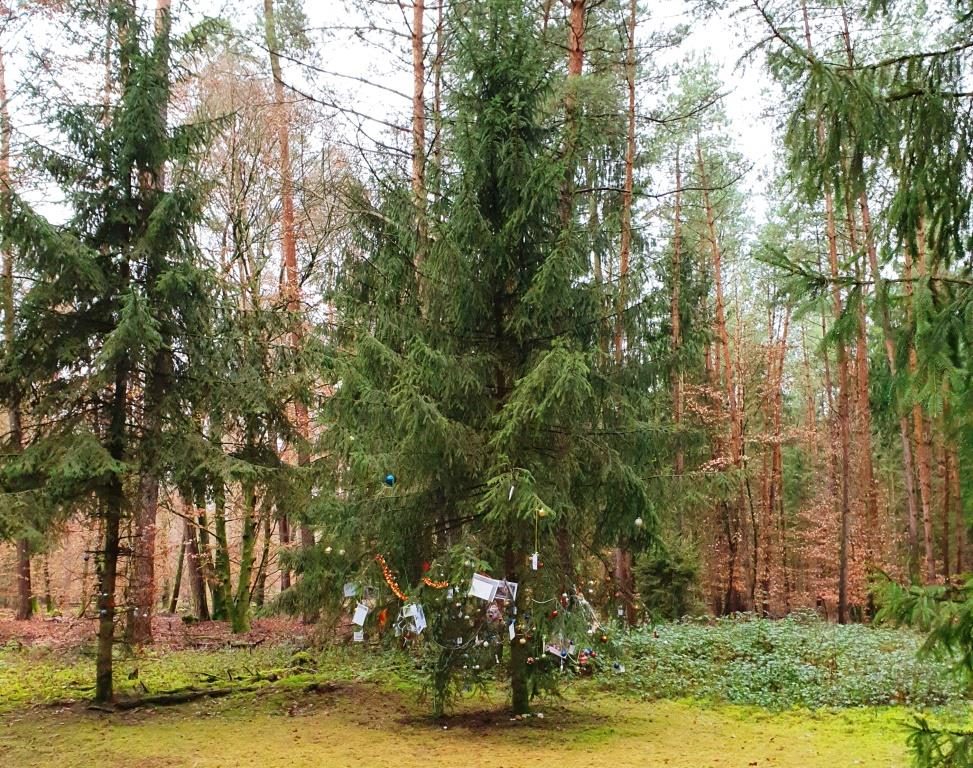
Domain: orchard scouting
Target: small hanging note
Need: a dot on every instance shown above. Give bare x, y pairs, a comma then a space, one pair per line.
534, 560
414, 617
359, 636
361, 613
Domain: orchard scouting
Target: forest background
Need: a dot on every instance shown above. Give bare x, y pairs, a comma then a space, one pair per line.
741, 384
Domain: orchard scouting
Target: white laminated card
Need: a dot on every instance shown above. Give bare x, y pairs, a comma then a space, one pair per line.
483, 587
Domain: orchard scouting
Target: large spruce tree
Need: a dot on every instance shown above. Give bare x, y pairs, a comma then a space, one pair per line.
112, 288
473, 378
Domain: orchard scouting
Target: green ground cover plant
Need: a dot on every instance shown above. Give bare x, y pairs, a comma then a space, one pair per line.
799, 661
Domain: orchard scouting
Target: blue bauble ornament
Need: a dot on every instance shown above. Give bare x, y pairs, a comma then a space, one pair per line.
390, 479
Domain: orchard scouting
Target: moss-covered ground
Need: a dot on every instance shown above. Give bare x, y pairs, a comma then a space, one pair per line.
367, 724
342, 708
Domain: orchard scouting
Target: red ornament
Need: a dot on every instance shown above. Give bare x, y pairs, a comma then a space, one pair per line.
554, 614
425, 567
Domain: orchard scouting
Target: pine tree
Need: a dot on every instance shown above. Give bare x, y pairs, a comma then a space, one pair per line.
111, 288
487, 409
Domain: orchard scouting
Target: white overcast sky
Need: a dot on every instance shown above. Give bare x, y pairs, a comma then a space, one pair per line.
722, 38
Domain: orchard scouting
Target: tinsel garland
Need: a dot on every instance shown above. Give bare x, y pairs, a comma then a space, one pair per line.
390, 578
394, 585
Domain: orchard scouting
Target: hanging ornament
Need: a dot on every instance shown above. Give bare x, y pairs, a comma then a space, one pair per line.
390, 479
639, 522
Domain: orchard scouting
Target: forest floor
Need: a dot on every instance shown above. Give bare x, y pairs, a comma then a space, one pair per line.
347, 707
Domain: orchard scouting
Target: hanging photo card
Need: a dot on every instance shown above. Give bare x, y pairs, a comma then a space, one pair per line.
489, 589
419, 618
361, 613
483, 587
506, 590
412, 618
350, 589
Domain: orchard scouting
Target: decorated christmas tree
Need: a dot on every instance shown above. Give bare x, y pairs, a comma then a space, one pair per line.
482, 444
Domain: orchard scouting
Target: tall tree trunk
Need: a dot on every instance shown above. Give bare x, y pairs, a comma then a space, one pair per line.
180, 564
240, 605
843, 419
25, 597
139, 627
419, 133
675, 314
222, 595
922, 437
197, 579
437, 99
108, 567
775, 485
908, 464
284, 532
627, 189
960, 523
944, 473
810, 406
576, 25
623, 556
104, 684
260, 584
48, 594
575, 64
889, 342
843, 379
863, 401
723, 365
26, 604
292, 286
722, 333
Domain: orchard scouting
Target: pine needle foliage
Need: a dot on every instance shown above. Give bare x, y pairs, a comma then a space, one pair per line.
473, 377
946, 613
116, 283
